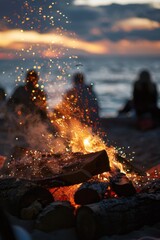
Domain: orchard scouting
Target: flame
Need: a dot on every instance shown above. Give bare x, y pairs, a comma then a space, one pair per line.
80, 136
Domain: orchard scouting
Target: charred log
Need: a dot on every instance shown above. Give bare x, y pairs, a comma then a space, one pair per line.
121, 185
90, 192
117, 216
90, 165
23, 199
129, 167
56, 216
79, 168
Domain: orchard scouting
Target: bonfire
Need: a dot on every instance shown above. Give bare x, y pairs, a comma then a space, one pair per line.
78, 181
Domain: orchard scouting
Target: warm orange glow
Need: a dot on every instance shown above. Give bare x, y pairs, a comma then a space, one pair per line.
65, 193
132, 47
135, 24
80, 137
2, 161
19, 39
154, 172
51, 45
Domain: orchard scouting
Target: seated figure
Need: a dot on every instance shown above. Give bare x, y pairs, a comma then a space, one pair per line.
29, 97
145, 100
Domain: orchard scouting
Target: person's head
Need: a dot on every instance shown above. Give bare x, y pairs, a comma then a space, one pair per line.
78, 78
32, 77
2, 94
145, 76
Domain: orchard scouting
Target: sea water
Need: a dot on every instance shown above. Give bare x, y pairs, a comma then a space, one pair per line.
112, 77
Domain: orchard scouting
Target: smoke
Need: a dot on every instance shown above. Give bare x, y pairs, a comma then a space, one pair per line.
32, 132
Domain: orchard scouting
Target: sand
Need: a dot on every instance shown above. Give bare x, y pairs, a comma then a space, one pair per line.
140, 146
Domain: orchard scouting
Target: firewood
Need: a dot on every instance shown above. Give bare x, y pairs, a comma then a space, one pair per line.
121, 185
17, 195
117, 215
79, 168
89, 165
56, 216
90, 192
129, 167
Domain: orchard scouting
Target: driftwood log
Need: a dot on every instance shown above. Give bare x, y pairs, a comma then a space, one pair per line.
23, 199
117, 215
90, 192
56, 216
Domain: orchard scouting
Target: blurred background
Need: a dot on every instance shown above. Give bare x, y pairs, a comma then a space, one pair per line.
109, 41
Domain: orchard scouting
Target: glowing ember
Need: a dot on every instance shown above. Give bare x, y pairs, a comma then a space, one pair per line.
65, 193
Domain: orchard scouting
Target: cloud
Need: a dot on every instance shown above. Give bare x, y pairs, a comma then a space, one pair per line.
135, 24
108, 2
95, 24
130, 47
36, 29
24, 41
50, 45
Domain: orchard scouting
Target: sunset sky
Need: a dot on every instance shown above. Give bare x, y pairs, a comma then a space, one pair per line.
49, 29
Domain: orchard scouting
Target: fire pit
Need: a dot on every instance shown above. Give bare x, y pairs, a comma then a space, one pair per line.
86, 191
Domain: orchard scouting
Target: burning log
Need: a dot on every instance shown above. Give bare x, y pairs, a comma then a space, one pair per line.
23, 199
56, 216
117, 215
121, 185
90, 192
90, 165
129, 167
76, 169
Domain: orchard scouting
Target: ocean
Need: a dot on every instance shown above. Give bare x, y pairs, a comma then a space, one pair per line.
112, 77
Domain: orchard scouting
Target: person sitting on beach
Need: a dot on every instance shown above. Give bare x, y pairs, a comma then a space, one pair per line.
30, 97
81, 102
145, 100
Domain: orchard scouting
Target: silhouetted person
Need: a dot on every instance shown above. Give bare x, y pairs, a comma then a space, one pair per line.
29, 97
80, 102
83, 101
145, 99
28, 112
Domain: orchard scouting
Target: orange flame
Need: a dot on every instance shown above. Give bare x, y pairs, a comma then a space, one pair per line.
79, 136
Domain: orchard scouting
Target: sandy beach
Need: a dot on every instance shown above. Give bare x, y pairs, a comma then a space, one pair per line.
140, 146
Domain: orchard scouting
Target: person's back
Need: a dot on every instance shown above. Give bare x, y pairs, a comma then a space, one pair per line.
29, 97
145, 98
144, 94
83, 100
